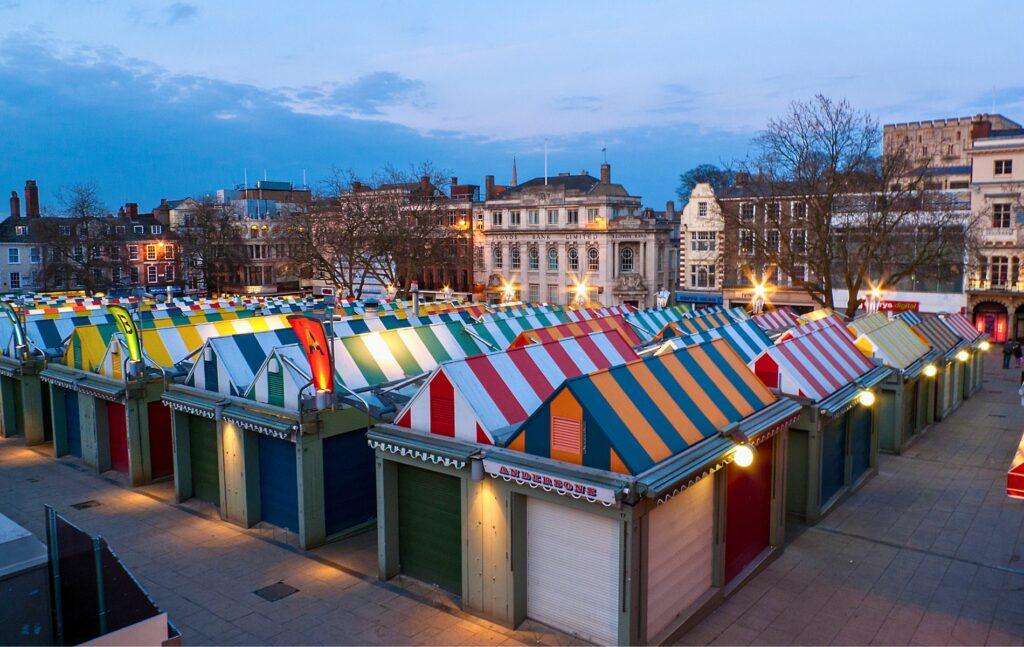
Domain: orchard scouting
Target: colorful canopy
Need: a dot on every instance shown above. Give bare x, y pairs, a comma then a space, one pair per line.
891, 341
694, 324
777, 319
632, 416
281, 379
229, 364
359, 325
935, 331
649, 322
909, 317
745, 337
550, 333
484, 398
828, 321
814, 365
500, 333
961, 326
579, 314
814, 315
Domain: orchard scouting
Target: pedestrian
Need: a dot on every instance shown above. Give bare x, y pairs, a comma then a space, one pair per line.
1008, 351
1018, 352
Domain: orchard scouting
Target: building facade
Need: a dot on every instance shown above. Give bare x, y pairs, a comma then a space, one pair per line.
995, 290
701, 246
558, 238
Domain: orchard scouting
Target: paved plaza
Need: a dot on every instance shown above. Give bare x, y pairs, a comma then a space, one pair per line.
929, 552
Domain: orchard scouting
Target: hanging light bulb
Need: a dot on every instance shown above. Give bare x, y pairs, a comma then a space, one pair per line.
743, 456
867, 398
984, 346
962, 356
930, 370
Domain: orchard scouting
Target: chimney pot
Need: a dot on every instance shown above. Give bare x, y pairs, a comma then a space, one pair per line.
584, 172
488, 187
606, 173
15, 205
981, 126
31, 199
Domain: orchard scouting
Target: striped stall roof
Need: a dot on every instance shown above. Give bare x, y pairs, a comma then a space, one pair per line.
484, 398
638, 414
935, 331
777, 319
521, 310
377, 358
867, 322
737, 313
892, 341
649, 322
693, 325
289, 368
577, 328
232, 362
961, 326
909, 317
814, 365
745, 337
579, 314
500, 333
814, 315
830, 321
358, 326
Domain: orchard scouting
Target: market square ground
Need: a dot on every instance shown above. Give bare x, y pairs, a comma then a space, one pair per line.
929, 552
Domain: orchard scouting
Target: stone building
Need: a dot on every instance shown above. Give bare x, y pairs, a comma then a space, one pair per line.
552, 238
701, 245
995, 290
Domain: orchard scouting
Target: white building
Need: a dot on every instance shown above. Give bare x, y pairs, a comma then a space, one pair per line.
701, 248
548, 236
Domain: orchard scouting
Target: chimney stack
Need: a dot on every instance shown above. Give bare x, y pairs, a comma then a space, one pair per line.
670, 209
981, 126
15, 205
606, 173
425, 183
31, 199
742, 178
131, 209
488, 187
455, 181
356, 186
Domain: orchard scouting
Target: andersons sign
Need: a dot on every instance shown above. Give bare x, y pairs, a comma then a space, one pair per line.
558, 484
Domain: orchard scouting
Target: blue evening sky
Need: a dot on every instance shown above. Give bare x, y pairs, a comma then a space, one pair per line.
165, 99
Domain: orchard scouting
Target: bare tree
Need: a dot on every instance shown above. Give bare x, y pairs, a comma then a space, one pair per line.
831, 213
211, 242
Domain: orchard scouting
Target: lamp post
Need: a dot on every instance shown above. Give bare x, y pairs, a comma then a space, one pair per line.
446, 293
508, 293
757, 303
661, 298
873, 300
580, 294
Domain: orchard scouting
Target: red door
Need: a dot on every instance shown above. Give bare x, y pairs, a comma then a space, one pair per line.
117, 422
748, 503
161, 453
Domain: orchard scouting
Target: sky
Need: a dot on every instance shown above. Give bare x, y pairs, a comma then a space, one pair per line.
155, 99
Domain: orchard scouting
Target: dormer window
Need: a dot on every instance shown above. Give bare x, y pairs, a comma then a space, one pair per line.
156, 229
140, 229
21, 230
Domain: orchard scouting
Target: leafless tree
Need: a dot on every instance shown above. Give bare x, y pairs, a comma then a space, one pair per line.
831, 213
211, 241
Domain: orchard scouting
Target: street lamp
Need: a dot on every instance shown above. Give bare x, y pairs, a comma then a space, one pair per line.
392, 290
661, 298
874, 300
446, 293
508, 292
757, 303
580, 294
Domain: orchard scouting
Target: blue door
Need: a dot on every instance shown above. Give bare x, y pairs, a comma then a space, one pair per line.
833, 458
279, 491
74, 428
860, 425
349, 481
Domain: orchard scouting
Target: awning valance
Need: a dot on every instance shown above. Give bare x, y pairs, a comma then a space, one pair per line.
846, 397
65, 379
186, 403
425, 447
261, 423
112, 391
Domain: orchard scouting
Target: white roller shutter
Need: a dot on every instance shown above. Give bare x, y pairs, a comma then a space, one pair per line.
572, 570
679, 554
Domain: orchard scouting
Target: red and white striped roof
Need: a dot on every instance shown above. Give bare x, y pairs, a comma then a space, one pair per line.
776, 319
961, 326
830, 321
597, 313
485, 397
813, 365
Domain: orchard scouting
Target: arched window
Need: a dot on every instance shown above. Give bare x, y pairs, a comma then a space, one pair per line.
516, 262
534, 258
626, 259
593, 259
574, 259
498, 256
552, 258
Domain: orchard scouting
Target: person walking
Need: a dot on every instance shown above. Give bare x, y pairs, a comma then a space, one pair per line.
1008, 351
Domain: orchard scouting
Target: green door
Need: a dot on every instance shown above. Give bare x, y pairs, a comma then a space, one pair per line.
202, 434
430, 527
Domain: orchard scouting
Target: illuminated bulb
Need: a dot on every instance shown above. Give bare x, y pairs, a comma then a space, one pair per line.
759, 290
984, 346
930, 370
743, 456
867, 398
962, 356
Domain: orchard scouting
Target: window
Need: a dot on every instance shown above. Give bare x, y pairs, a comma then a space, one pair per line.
133, 253
772, 212
799, 274
134, 274
746, 242
150, 252
1000, 270
661, 259
572, 216
169, 273
498, 256
514, 219
35, 255
799, 210
747, 212
552, 216
151, 274
139, 229
496, 218
118, 229
1001, 215
772, 240
592, 215
626, 259
703, 241
157, 229
533, 258
77, 253
702, 209
1004, 167
65, 230
574, 259
516, 260
798, 238
15, 280
593, 259
13, 255
169, 252
533, 217
115, 275
21, 230
702, 276
552, 258
533, 293
553, 294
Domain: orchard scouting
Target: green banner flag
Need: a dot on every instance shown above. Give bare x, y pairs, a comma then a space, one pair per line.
19, 332
129, 329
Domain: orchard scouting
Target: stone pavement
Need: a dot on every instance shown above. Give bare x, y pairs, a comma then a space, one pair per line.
203, 571
927, 553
